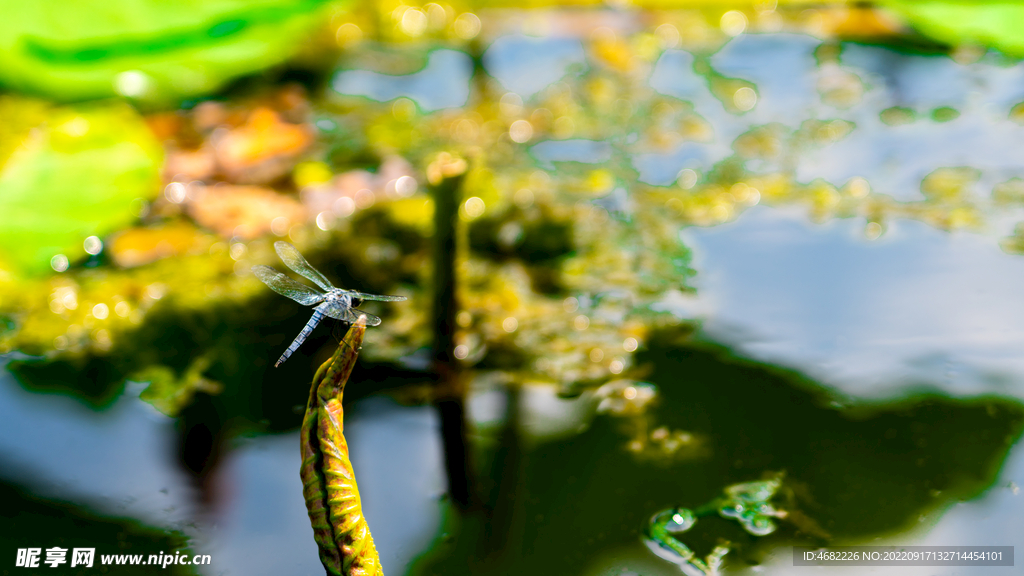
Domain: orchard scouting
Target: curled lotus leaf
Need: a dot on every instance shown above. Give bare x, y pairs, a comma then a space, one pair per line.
328, 481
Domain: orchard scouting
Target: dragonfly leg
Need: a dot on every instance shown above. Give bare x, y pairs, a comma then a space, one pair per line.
306, 330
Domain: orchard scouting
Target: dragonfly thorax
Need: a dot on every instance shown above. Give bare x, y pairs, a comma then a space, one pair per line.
339, 297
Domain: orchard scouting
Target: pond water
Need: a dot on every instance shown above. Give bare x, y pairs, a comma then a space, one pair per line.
921, 312
120, 462
882, 376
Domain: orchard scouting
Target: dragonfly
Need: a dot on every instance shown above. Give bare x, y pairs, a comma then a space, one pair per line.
332, 302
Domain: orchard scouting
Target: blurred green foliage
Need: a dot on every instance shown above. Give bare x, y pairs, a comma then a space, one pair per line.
69, 172
563, 261
966, 22
146, 49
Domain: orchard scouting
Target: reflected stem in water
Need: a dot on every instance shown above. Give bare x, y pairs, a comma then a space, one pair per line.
450, 391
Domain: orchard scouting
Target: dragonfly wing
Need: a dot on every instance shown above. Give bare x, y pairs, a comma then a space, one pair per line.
337, 310
378, 297
285, 286
354, 314
290, 256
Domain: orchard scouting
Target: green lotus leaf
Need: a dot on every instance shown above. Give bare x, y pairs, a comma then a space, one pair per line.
146, 49
989, 24
73, 173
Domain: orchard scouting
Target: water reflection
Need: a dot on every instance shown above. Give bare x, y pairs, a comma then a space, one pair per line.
586, 151
783, 68
578, 506
116, 470
443, 83
120, 458
979, 522
526, 65
920, 307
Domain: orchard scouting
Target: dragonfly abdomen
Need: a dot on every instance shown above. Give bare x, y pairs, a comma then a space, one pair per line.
306, 331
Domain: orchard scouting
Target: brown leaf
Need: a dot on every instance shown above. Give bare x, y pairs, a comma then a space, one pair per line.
246, 211
263, 149
138, 246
